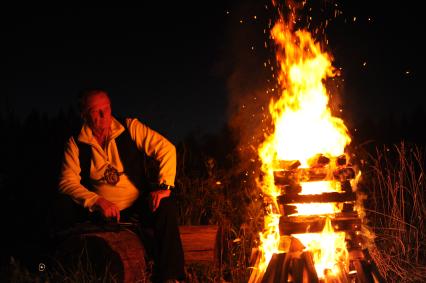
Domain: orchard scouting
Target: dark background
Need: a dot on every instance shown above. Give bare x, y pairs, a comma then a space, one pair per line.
173, 65
188, 70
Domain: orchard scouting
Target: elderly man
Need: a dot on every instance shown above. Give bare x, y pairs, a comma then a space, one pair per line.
101, 171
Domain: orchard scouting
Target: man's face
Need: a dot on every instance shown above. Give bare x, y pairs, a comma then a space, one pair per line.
98, 113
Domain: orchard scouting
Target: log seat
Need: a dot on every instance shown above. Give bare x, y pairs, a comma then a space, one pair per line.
118, 249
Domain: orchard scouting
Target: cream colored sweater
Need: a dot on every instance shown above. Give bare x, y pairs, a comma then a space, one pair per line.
124, 193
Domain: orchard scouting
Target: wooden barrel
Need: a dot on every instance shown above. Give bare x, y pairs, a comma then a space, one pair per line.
119, 254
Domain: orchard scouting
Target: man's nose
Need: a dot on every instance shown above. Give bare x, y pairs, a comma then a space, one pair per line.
101, 113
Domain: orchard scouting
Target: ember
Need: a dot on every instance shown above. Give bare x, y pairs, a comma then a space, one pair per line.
312, 225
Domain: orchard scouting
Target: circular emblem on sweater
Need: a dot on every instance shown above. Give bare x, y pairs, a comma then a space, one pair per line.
111, 175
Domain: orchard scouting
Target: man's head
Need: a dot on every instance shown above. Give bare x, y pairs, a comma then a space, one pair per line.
95, 109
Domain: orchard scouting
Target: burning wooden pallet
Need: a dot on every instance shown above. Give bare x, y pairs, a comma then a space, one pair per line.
296, 263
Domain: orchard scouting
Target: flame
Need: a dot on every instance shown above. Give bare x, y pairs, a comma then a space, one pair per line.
312, 188
303, 128
328, 258
303, 122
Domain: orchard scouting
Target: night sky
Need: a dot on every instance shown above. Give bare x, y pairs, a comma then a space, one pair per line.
186, 66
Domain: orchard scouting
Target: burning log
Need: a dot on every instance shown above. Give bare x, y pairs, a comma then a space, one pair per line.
310, 267
320, 161
363, 271
354, 241
372, 266
291, 189
289, 226
348, 207
344, 174
297, 266
321, 198
288, 209
296, 246
288, 164
292, 177
285, 178
341, 160
346, 186
275, 268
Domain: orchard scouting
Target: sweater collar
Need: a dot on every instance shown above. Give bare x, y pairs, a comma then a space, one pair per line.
86, 133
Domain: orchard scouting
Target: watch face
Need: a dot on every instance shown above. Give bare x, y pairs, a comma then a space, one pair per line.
164, 187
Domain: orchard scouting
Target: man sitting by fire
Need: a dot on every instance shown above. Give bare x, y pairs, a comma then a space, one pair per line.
101, 171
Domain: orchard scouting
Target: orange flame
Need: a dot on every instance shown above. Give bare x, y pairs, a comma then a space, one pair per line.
328, 248
303, 128
303, 122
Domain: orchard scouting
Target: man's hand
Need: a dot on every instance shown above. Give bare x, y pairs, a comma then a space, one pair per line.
107, 208
156, 197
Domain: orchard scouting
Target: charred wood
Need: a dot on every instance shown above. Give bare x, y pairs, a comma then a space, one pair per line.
320, 161
346, 186
348, 207
355, 240
288, 209
341, 160
288, 164
286, 178
296, 267
291, 177
296, 246
344, 174
291, 189
365, 266
275, 269
373, 267
363, 272
310, 267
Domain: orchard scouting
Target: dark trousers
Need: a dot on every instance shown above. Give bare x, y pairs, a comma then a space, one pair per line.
159, 231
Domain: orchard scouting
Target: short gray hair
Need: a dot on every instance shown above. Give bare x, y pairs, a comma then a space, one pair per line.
85, 95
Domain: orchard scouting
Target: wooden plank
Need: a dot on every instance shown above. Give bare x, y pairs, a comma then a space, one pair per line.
363, 272
274, 269
297, 266
320, 198
289, 227
288, 209
294, 176
310, 267
199, 242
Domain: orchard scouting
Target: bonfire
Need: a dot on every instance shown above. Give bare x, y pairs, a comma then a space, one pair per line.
313, 222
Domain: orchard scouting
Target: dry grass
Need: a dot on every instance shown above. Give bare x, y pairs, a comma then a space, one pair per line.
394, 181
227, 198
83, 271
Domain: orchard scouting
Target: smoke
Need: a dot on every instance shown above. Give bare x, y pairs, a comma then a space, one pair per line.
252, 67
250, 81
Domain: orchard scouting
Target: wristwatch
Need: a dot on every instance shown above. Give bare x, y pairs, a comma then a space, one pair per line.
165, 187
